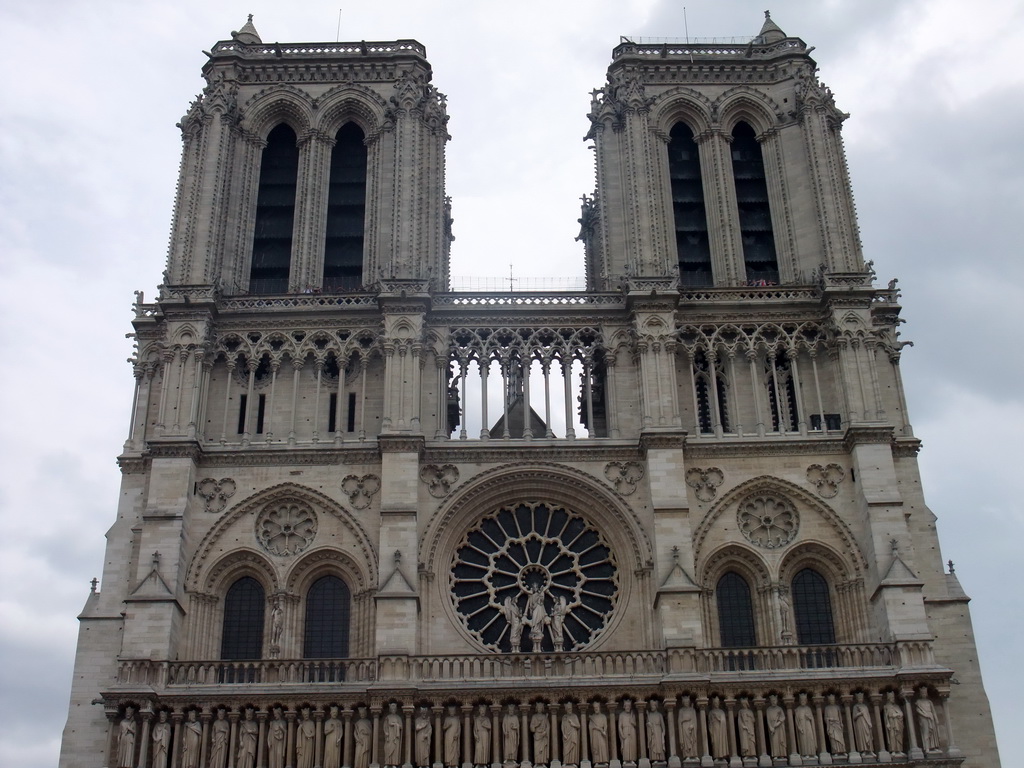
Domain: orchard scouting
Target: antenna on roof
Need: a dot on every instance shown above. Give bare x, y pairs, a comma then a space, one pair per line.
686, 30
337, 38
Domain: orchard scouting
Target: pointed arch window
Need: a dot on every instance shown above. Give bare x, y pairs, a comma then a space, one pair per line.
275, 213
328, 607
691, 220
244, 605
812, 609
711, 391
735, 612
346, 211
759, 256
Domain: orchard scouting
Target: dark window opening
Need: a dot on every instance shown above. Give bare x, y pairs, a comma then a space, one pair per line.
243, 620
691, 220
243, 402
755, 214
275, 213
705, 399
328, 605
597, 401
832, 421
332, 413
261, 412
812, 608
351, 412
784, 414
735, 612
346, 211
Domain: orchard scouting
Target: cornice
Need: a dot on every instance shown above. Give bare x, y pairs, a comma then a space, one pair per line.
508, 451
293, 457
401, 443
865, 434
697, 448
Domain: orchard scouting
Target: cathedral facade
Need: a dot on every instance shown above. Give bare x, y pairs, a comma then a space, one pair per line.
673, 519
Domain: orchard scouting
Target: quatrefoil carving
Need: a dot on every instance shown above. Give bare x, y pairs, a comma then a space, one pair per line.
705, 482
360, 489
439, 479
216, 493
624, 475
826, 479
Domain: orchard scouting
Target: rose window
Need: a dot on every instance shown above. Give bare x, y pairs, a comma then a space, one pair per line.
287, 528
534, 578
768, 521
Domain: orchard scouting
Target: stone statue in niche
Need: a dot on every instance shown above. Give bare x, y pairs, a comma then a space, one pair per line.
803, 722
305, 741
718, 728
926, 721
627, 732
452, 729
776, 719
192, 738
540, 729
161, 738
655, 732
219, 740
514, 617
392, 736
892, 715
481, 736
277, 739
688, 728
362, 732
333, 730
276, 625
863, 728
570, 736
510, 734
423, 734
834, 726
745, 725
126, 739
559, 611
248, 735
597, 727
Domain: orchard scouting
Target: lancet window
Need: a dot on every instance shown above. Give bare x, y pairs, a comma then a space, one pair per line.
755, 215
812, 608
328, 608
275, 213
711, 389
346, 211
782, 395
244, 607
691, 220
735, 612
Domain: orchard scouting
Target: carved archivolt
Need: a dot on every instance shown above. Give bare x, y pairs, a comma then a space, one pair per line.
826, 478
215, 493
439, 479
624, 475
705, 482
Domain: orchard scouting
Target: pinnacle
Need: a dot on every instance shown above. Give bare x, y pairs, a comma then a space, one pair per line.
770, 31
247, 34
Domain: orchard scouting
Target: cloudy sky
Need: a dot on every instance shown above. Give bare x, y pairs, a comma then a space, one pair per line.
88, 162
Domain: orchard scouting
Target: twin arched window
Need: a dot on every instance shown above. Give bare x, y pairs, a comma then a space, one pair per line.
812, 610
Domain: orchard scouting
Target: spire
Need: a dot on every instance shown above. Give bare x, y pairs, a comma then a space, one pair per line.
770, 32
248, 34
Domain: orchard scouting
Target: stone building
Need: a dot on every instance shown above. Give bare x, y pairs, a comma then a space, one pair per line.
672, 519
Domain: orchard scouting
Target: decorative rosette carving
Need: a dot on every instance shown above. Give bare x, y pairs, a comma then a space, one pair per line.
360, 490
286, 527
704, 482
624, 475
768, 520
826, 479
215, 493
439, 479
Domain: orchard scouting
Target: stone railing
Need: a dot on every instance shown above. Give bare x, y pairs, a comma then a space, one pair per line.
751, 293
262, 50
527, 299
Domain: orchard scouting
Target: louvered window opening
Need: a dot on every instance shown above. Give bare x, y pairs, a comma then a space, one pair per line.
759, 256
691, 221
346, 212
275, 213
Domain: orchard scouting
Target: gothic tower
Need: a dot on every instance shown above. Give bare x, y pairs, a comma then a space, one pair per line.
673, 520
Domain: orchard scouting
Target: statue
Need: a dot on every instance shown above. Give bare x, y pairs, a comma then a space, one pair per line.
745, 725
784, 614
893, 717
276, 624
570, 736
423, 735
392, 736
803, 722
452, 729
926, 721
627, 732
558, 613
834, 726
277, 739
510, 735
305, 741
514, 617
863, 728
333, 730
776, 718
688, 728
219, 741
718, 729
248, 735
597, 728
655, 732
126, 739
540, 729
481, 736
161, 740
361, 735
191, 740
538, 617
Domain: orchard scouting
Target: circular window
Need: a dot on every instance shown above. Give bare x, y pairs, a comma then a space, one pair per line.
534, 578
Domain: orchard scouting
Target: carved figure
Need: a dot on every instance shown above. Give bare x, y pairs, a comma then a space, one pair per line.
161, 738
423, 734
688, 728
745, 724
834, 726
219, 740
277, 739
361, 735
510, 735
558, 613
248, 735
655, 732
926, 721
276, 624
333, 730
392, 736
718, 729
893, 717
627, 732
126, 740
191, 739
538, 617
540, 729
305, 741
597, 727
481, 736
452, 731
863, 728
570, 736
776, 718
514, 617
803, 722
784, 613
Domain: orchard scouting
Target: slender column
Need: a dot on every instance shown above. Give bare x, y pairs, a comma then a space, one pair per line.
840, 355
415, 394
611, 396
570, 432
659, 397
408, 710
527, 426
870, 350
730, 713
504, 364
876, 707
524, 732
176, 716
780, 415
438, 737
716, 411
546, 364
250, 366
613, 732
389, 376
441, 363
794, 371
672, 383
403, 362
316, 401
496, 755
737, 413
147, 720
363, 365
555, 735
296, 367
951, 748
915, 752
275, 366
584, 736
693, 392
348, 748
858, 368
705, 749
467, 730
140, 421
462, 402
165, 366
851, 737
339, 398
261, 739
824, 758
641, 729
670, 718
198, 377
763, 760
484, 371
204, 739
318, 719
588, 388
794, 749
232, 739
375, 743
817, 390
182, 360
755, 391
